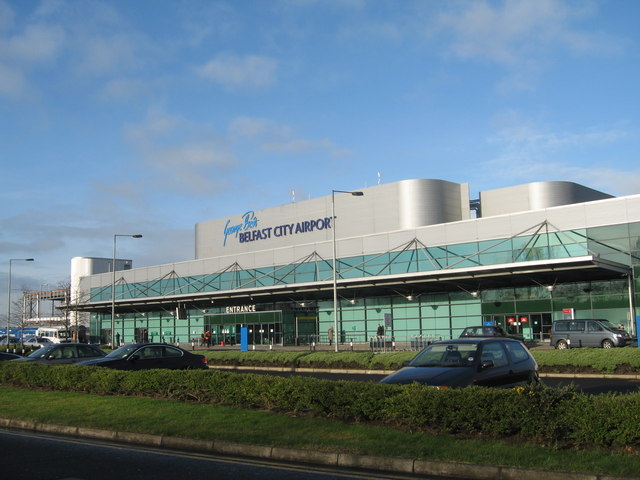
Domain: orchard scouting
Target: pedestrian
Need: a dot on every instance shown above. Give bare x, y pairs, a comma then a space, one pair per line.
330, 332
207, 338
380, 330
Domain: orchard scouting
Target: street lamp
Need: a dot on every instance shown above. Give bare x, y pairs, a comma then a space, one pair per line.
11, 260
335, 276
113, 285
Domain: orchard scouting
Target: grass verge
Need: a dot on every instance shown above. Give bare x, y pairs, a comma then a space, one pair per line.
187, 420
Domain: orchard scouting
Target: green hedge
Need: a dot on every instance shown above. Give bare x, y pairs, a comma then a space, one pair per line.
622, 360
548, 416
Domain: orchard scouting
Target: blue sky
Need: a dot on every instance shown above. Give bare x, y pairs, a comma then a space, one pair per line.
149, 116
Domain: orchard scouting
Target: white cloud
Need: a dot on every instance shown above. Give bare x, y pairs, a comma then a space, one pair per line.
507, 32
37, 43
185, 158
275, 138
12, 81
234, 72
528, 153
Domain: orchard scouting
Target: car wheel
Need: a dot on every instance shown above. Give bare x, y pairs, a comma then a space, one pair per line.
607, 343
562, 345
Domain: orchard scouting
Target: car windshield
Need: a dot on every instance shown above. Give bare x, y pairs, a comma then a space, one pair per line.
122, 352
446, 355
41, 352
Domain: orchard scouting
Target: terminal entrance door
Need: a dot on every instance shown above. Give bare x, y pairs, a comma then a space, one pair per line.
533, 326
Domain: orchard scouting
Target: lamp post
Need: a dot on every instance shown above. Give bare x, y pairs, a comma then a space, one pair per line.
11, 260
113, 285
335, 276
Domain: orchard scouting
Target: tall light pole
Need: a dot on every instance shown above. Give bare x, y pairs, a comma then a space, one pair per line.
11, 260
335, 276
113, 285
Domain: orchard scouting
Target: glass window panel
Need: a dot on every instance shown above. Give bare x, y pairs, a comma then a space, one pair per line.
496, 258
604, 234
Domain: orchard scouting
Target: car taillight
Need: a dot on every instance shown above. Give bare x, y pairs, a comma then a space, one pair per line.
204, 360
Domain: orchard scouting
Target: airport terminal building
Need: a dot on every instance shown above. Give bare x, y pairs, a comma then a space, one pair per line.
418, 257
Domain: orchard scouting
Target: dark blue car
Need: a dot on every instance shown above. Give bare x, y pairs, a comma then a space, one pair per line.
143, 356
490, 362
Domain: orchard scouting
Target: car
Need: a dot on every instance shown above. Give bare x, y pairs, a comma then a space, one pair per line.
12, 340
589, 332
8, 356
143, 356
488, 331
32, 340
462, 362
63, 353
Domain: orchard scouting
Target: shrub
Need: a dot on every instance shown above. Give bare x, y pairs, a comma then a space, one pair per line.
545, 415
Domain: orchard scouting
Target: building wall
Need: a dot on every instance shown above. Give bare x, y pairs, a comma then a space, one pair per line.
383, 208
536, 196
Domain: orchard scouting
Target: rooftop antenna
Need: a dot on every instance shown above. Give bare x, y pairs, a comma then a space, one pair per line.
378, 178
293, 195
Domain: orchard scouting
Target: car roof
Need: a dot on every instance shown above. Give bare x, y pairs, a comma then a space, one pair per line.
477, 340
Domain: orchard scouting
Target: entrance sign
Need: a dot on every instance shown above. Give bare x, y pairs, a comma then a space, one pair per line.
240, 309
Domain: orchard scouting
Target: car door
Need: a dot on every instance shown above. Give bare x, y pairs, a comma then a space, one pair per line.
63, 355
522, 366
147, 357
579, 337
172, 358
499, 374
594, 334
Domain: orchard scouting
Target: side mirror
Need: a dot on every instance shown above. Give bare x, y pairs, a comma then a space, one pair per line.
133, 358
486, 364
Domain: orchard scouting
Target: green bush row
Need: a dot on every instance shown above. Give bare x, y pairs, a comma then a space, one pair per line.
603, 360
559, 417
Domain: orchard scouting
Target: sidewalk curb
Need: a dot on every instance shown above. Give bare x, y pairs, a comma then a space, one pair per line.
336, 459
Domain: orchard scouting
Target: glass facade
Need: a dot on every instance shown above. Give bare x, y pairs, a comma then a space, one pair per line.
528, 310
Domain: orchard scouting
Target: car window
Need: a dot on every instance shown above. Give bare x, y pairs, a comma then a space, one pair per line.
446, 355
68, 352
594, 327
172, 352
494, 351
517, 351
88, 351
150, 352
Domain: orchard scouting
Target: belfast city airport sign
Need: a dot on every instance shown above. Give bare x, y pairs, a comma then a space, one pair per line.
248, 228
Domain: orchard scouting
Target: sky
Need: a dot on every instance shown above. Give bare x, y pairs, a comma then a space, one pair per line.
149, 116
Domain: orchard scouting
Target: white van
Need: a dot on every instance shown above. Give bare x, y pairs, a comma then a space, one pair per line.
54, 334
590, 332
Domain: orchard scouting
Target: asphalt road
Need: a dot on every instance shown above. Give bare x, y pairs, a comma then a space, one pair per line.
47, 457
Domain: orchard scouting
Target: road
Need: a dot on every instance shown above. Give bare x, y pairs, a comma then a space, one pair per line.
594, 386
47, 457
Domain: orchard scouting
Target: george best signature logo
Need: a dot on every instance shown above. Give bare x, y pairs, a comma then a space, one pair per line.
247, 229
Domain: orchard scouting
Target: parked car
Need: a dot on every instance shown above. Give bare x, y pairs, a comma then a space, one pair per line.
142, 356
587, 333
12, 340
490, 362
63, 353
488, 331
8, 356
32, 340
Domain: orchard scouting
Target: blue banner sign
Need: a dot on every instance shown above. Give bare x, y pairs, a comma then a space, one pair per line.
247, 229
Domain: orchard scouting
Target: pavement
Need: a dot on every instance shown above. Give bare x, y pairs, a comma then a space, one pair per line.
283, 454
